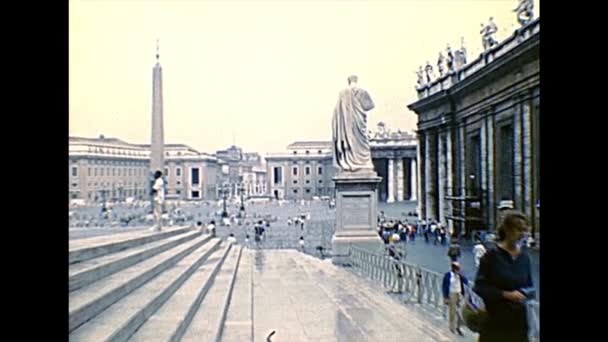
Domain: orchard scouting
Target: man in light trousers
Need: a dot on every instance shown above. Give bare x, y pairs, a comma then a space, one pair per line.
453, 294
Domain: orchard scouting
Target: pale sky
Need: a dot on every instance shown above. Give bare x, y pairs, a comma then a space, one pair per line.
261, 73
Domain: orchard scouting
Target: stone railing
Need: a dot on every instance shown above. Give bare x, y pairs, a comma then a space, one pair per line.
416, 284
486, 57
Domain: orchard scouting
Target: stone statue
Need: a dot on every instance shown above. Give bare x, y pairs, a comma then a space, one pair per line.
487, 34
450, 59
458, 60
429, 72
351, 151
440, 62
525, 11
420, 74
463, 51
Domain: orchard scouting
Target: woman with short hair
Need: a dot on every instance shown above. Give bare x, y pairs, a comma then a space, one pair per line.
504, 282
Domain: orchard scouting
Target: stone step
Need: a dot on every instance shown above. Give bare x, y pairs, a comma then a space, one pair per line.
90, 300
208, 321
124, 317
238, 325
172, 319
387, 314
86, 272
85, 249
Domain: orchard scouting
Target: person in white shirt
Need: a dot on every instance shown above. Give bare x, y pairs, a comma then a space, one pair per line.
453, 292
478, 251
231, 238
158, 190
211, 228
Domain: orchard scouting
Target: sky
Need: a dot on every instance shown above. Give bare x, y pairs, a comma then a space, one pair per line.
258, 74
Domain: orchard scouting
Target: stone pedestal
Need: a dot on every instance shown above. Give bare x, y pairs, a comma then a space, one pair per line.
356, 214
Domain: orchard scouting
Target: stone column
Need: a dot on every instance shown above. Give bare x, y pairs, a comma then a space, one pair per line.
420, 164
491, 171
450, 177
464, 178
399, 178
429, 207
390, 181
431, 175
517, 155
527, 182
441, 187
483, 142
413, 180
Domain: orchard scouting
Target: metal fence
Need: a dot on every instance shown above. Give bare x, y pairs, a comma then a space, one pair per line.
415, 284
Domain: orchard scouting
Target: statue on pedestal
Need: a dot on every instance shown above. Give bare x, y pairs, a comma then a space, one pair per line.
420, 74
351, 151
487, 34
450, 59
463, 52
429, 72
440, 62
525, 11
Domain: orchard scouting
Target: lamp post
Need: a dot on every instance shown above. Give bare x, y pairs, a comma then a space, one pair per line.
224, 192
241, 190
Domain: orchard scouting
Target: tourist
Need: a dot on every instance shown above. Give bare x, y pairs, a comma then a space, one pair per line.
211, 228
231, 238
453, 293
396, 255
301, 242
158, 192
504, 282
413, 232
443, 235
454, 250
478, 251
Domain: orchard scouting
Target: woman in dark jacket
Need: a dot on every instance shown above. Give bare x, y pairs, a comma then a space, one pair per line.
503, 279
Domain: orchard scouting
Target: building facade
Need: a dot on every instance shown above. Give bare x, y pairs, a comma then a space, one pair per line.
306, 169
241, 173
478, 136
109, 169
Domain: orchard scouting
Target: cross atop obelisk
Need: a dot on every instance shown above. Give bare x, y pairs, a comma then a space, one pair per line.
157, 143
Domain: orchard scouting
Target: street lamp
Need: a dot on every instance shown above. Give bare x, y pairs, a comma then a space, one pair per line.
224, 193
241, 190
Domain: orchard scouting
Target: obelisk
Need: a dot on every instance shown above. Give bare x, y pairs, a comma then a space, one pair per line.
157, 146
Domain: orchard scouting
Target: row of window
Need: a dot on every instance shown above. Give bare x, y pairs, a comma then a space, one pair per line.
319, 191
129, 172
120, 171
307, 170
114, 185
178, 171
308, 152
307, 181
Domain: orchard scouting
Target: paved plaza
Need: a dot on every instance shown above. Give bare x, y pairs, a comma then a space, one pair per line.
300, 295
317, 231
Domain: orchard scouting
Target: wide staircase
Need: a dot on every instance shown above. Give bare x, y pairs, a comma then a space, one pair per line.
182, 285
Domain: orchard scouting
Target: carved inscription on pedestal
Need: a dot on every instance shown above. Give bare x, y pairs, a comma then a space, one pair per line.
356, 211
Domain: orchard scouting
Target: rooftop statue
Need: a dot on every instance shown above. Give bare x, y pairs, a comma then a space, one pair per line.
525, 11
429, 72
440, 63
487, 34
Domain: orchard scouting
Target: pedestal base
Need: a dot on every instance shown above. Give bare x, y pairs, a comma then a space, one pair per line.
356, 214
